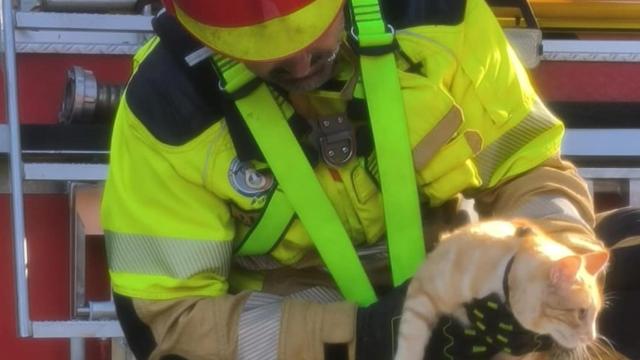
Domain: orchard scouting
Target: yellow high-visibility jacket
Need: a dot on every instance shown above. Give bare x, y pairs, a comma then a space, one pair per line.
178, 194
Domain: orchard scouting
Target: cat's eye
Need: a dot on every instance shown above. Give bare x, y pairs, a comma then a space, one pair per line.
582, 314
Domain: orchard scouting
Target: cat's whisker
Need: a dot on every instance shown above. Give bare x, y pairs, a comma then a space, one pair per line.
593, 350
602, 351
597, 350
586, 352
608, 298
604, 342
569, 354
576, 354
603, 348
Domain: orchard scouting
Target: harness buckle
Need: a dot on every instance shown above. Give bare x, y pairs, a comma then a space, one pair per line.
373, 44
335, 139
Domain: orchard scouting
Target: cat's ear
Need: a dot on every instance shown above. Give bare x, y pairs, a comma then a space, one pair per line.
595, 261
564, 271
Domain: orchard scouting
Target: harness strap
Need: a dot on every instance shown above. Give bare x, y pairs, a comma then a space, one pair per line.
264, 236
505, 282
291, 168
375, 44
281, 150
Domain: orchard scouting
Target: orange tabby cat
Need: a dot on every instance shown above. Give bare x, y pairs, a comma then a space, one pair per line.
551, 289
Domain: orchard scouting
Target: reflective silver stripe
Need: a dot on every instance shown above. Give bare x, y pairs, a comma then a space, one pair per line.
550, 207
259, 323
537, 122
257, 262
318, 294
259, 327
176, 258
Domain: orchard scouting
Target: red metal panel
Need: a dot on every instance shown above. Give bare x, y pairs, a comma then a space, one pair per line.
47, 231
96, 275
588, 81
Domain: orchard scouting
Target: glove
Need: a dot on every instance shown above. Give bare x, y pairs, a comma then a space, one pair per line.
492, 329
377, 324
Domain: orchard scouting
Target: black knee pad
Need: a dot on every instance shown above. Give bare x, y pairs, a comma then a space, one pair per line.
624, 269
620, 320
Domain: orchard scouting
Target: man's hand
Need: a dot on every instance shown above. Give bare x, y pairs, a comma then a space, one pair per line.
377, 326
492, 329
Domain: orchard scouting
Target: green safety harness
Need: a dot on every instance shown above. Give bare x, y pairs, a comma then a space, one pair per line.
265, 113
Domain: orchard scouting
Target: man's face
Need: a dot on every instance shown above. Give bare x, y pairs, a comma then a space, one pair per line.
305, 70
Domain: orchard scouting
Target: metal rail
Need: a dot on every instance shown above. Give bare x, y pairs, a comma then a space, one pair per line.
591, 50
82, 22
65, 172
77, 329
15, 158
601, 142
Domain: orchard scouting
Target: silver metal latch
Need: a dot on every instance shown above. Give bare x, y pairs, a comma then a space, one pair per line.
335, 139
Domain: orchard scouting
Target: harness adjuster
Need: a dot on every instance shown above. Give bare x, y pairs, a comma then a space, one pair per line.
240, 91
373, 44
335, 139
235, 81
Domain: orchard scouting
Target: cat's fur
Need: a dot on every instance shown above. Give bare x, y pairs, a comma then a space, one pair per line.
551, 289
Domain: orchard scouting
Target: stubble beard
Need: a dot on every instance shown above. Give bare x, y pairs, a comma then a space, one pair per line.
321, 74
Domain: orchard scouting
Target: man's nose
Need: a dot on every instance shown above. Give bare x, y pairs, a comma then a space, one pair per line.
299, 65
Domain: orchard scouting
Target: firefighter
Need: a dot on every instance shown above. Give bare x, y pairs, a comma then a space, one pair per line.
243, 210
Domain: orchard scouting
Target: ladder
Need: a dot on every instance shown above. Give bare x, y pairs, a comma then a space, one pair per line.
31, 32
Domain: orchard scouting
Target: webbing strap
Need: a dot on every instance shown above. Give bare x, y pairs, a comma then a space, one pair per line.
277, 214
391, 138
236, 76
269, 127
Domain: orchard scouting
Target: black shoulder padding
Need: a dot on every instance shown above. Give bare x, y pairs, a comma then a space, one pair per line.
175, 101
407, 13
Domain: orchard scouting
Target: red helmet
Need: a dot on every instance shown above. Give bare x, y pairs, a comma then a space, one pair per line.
255, 30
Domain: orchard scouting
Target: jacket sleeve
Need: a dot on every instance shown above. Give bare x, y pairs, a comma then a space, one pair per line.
519, 162
552, 195
514, 157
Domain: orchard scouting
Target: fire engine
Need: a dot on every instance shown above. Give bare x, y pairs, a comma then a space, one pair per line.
66, 63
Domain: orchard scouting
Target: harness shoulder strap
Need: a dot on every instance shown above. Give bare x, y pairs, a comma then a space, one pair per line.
374, 41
